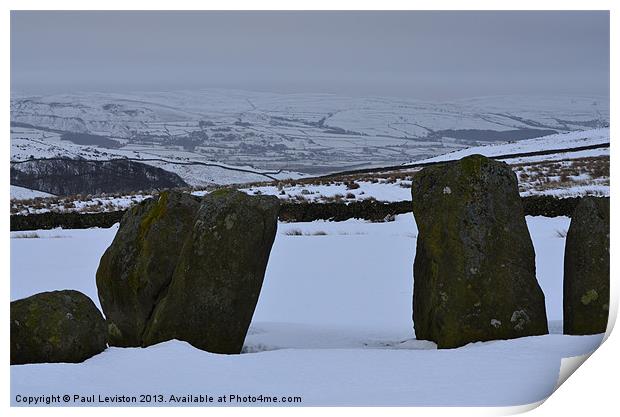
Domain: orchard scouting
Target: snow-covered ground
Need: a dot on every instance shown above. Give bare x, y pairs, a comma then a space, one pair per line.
70, 204
21, 193
380, 190
538, 182
561, 174
545, 143
27, 143
399, 189
332, 326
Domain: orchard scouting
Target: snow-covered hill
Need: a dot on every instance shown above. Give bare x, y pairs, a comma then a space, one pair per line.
21, 193
565, 173
563, 141
311, 133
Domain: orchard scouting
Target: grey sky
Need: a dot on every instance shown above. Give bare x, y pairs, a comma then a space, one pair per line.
426, 55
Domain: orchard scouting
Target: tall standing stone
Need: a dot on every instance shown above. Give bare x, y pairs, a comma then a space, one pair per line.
474, 270
137, 268
586, 268
219, 275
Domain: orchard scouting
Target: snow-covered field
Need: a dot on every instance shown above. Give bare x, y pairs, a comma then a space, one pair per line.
332, 326
296, 132
545, 143
86, 204
21, 193
540, 180
234, 132
561, 174
27, 142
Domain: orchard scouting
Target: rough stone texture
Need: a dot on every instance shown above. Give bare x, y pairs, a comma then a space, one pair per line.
216, 284
136, 269
58, 326
586, 268
474, 270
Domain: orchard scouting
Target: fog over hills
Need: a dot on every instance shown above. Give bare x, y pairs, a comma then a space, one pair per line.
309, 133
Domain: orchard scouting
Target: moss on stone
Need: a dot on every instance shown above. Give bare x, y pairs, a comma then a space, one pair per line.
586, 268
157, 212
471, 165
114, 331
474, 260
58, 326
588, 297
219, 274
139, 263
221, 192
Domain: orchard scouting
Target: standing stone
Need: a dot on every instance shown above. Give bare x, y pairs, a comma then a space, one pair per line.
474, 269
57, 326
217, 281
586, 268
136, 269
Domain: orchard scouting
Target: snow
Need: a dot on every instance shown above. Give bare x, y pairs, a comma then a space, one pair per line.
551, 142
21, 193
560, 156
380, 190
102, 203
572, 191
29, 143
498, 373
393, 191
50, 268
332, 325
399, 190
313, 132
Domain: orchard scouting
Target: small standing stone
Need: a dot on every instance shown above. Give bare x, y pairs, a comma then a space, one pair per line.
586, 268
57, 326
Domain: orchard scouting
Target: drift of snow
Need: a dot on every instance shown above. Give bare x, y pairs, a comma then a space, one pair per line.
545, 143
332, 325
21, 193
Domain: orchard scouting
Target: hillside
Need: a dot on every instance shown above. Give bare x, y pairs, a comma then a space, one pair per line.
563, 173
309, 133
76, 176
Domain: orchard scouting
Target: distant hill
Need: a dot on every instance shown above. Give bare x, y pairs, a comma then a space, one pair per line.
74, 176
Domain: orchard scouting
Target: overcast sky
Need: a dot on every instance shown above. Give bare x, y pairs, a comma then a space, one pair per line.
426, 55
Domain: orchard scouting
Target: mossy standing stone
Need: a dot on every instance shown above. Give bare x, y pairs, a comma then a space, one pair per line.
586, 268
136, 269
474, 269
57, 326
217, 281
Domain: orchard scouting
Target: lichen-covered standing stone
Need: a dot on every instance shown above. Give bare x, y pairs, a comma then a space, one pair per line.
474, 270
218, 278
136, 269
57, 326
586, 268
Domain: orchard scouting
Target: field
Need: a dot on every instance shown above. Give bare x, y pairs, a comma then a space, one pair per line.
332, 326
296, 133
565, 172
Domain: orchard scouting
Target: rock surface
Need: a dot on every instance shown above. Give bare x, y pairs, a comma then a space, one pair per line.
474, 270
136, 269
58, 326
586, 268
217, 281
